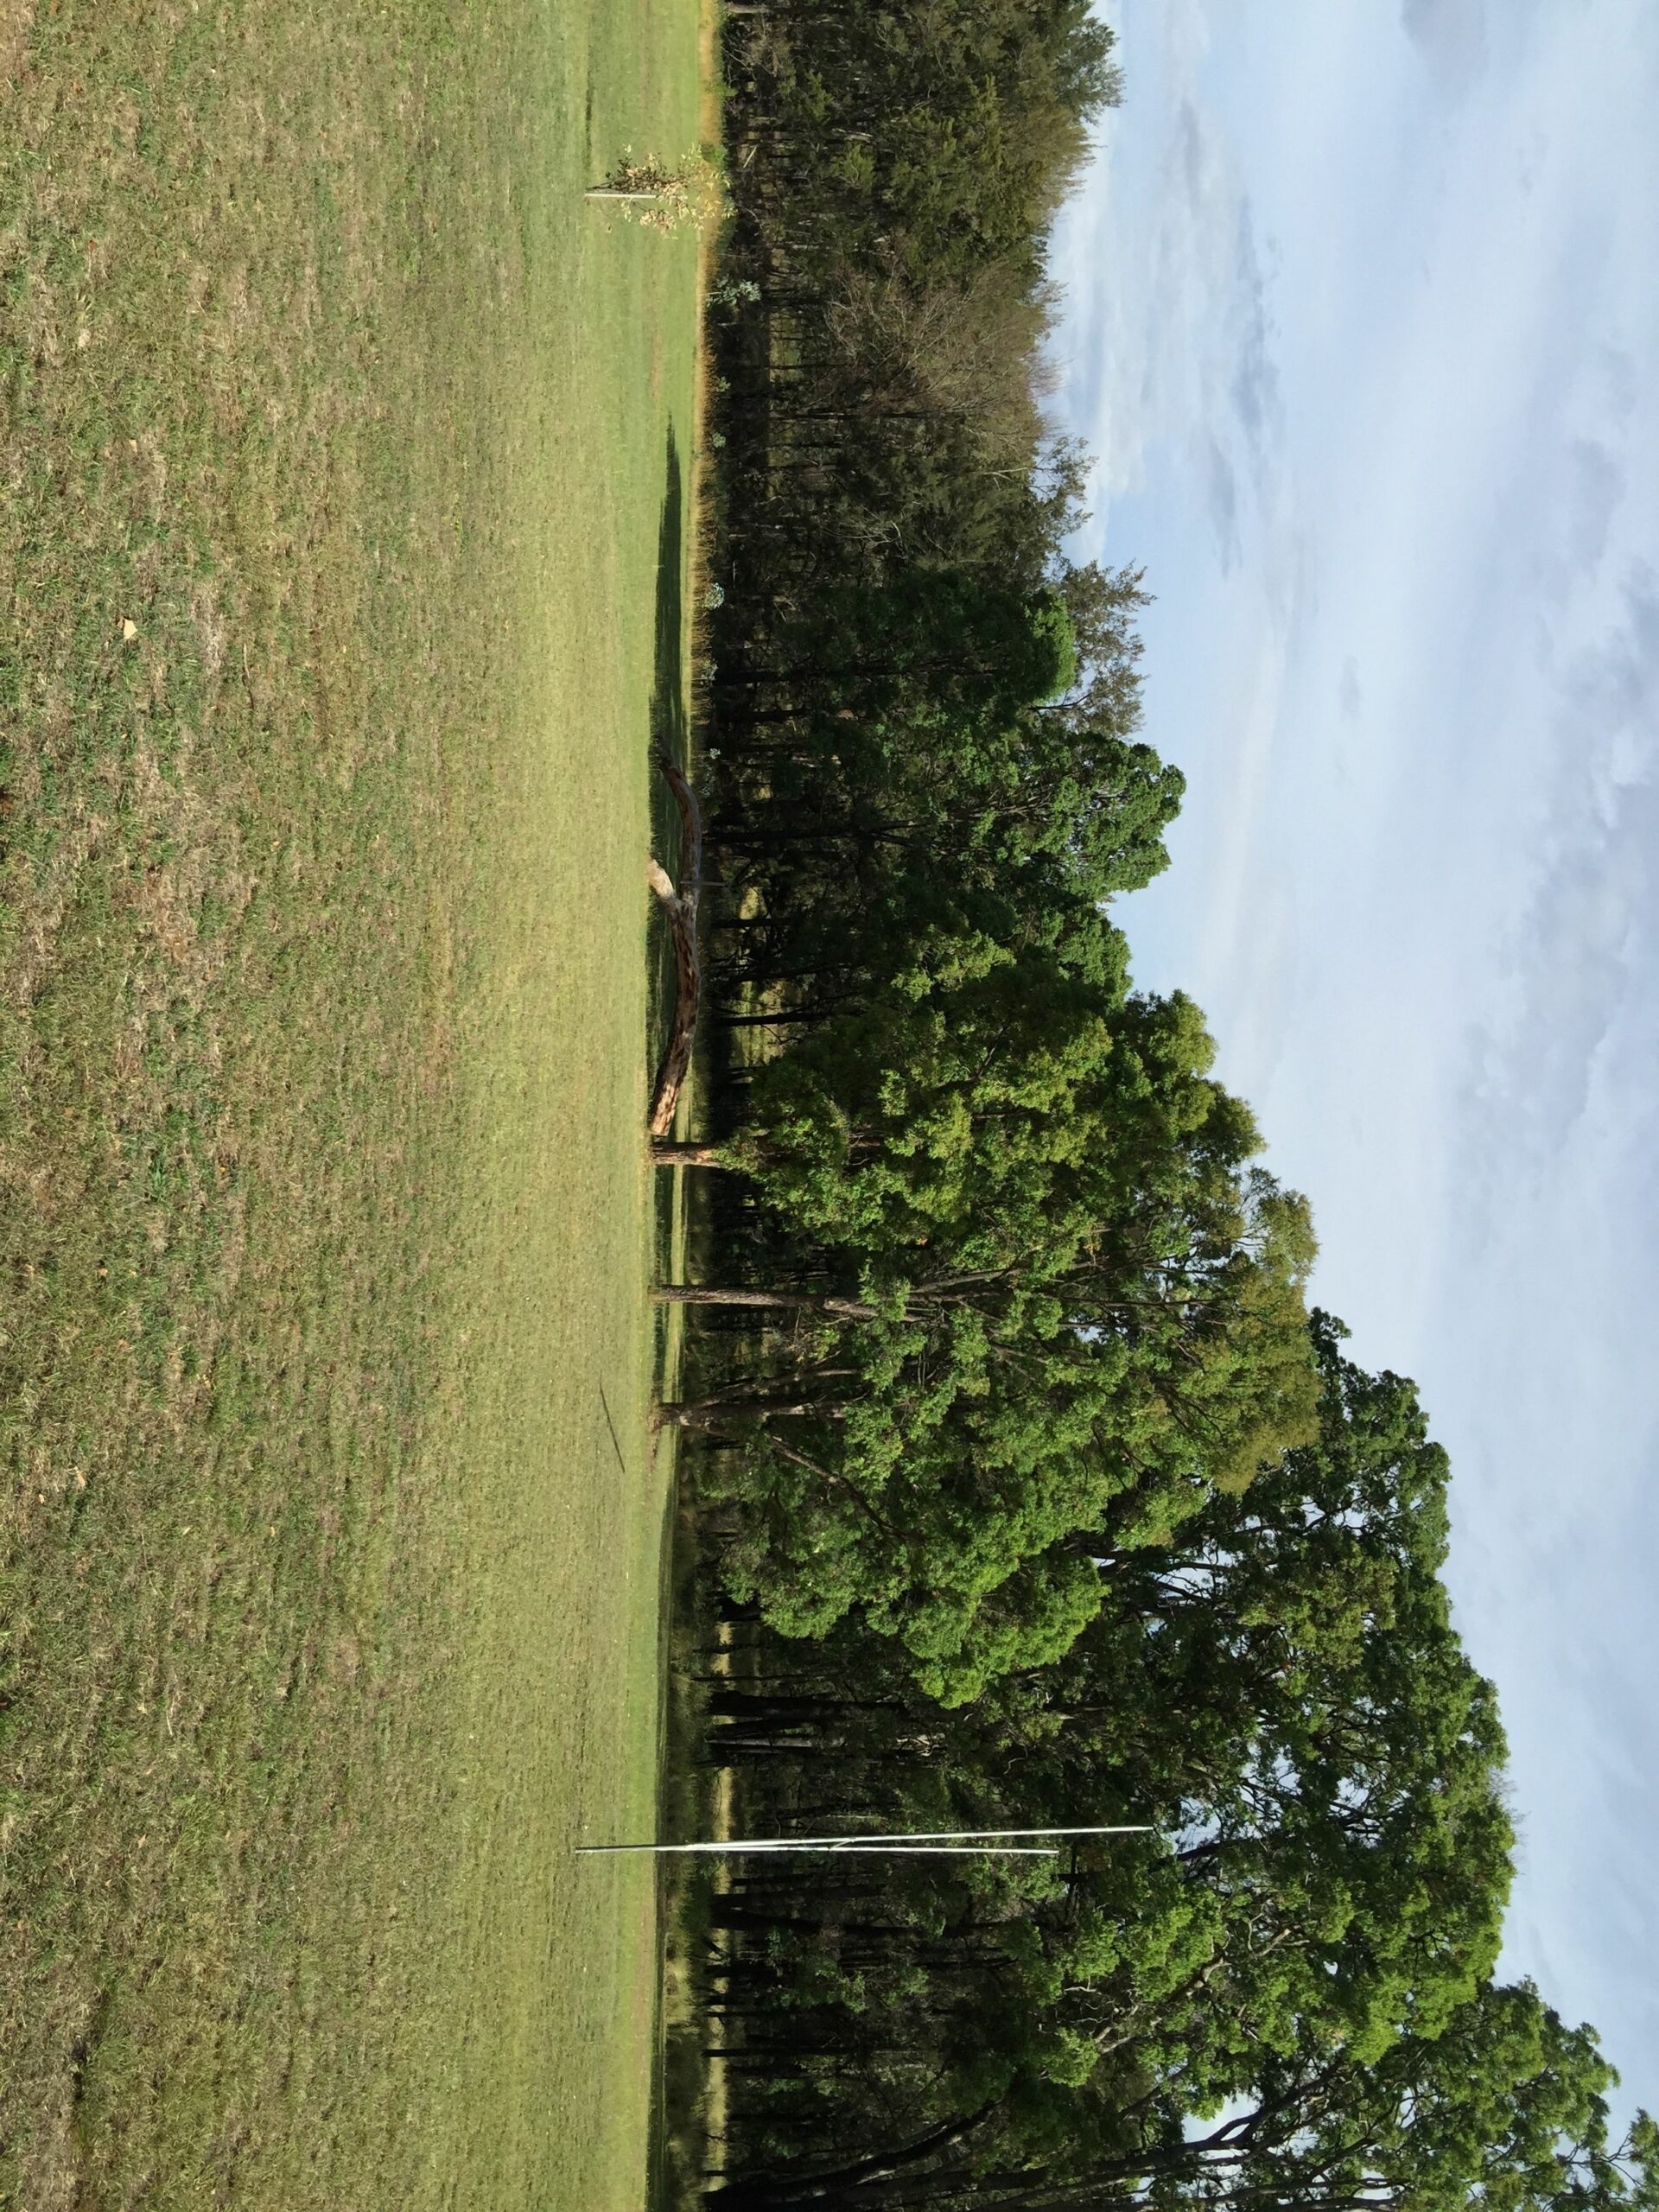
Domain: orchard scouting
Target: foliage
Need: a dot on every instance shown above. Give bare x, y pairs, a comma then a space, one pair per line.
1284, 1990
1083, 1309
1030, 1490
691, 195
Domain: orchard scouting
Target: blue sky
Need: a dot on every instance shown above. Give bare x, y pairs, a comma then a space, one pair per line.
1363, 328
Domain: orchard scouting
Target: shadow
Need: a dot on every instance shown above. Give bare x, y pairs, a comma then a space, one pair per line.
668, 695
667, 728
667, 733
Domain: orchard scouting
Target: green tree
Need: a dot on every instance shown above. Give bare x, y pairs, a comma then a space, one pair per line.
1280, 1691
1033, 1287
1506, 2107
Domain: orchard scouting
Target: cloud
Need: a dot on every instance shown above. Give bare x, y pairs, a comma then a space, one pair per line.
1221, 503
1450, 35
1581, 965
1617, 687
1239, 453
1384, 392
1177, 332
1551, 1298
1254, 382
1597, 493
1192, 147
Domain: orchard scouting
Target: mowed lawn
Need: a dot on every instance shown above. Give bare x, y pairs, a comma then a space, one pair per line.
334, 446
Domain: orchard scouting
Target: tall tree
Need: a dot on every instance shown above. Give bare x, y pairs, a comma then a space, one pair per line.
1033, 1286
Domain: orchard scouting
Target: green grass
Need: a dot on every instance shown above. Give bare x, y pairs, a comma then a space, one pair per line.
333, 429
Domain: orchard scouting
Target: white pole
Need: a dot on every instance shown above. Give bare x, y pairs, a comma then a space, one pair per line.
839, 1849
925, 1841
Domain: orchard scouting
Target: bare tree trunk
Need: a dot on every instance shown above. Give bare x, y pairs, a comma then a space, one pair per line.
694, 1413
666, 1153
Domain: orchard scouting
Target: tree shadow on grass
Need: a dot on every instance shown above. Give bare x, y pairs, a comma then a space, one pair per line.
667, 731
669, 734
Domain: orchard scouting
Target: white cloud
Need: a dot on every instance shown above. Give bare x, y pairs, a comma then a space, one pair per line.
1450, 34
1364, 330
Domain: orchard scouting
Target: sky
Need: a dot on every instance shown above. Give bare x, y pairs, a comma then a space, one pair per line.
1362, 327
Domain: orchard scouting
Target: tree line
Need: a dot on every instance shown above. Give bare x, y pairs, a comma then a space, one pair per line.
1029, 1489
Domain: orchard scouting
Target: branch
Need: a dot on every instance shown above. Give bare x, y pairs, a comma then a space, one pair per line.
681, 909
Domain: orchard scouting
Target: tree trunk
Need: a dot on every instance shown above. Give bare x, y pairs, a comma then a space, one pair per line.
791, 1301
695, 1414
777, 2189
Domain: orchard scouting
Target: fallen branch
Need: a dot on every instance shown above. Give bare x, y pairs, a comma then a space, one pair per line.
681, 909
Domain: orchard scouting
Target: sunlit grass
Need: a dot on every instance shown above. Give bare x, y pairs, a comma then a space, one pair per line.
333, 440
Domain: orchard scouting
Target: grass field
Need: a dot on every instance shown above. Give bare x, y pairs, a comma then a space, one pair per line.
335, 432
